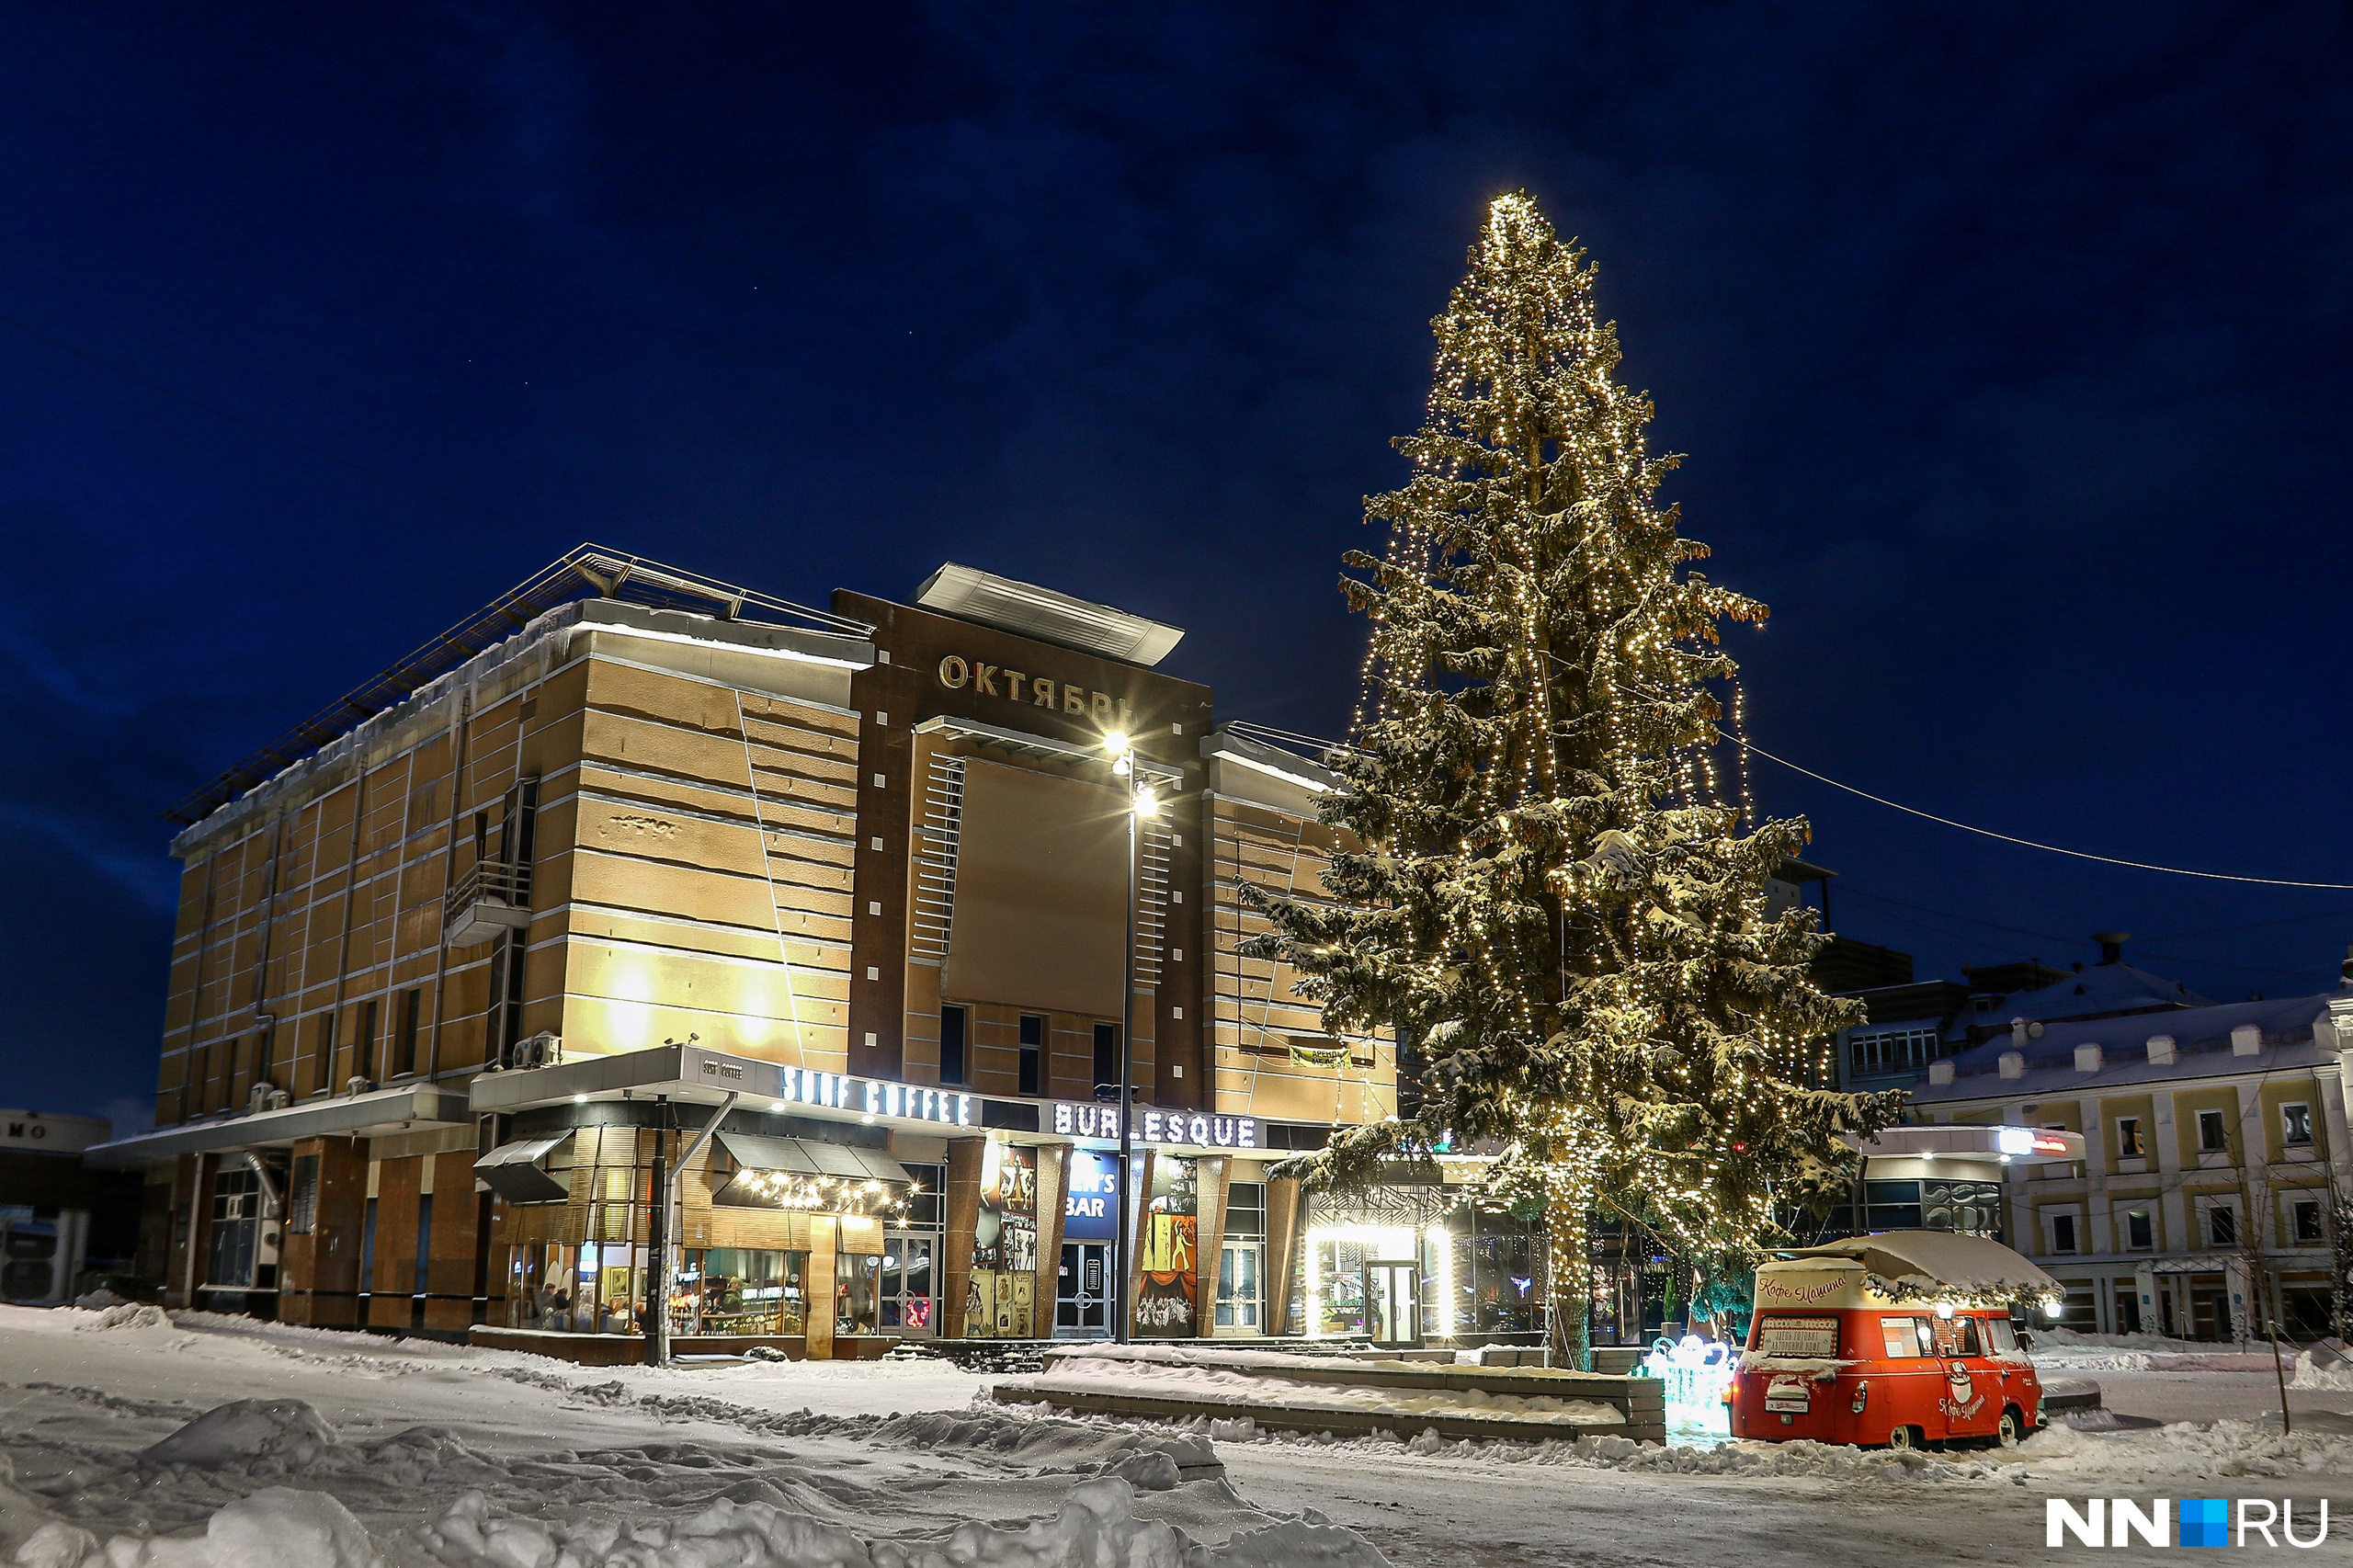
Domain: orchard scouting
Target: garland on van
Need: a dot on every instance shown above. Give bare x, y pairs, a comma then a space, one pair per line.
1559, 900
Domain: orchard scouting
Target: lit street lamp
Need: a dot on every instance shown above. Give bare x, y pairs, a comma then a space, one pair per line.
1141, 802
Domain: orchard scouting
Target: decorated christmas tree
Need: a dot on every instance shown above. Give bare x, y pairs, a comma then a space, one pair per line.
1560, 905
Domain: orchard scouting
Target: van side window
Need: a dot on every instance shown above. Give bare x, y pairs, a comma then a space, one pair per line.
1964, 1337
1905, 1338
2004, 1336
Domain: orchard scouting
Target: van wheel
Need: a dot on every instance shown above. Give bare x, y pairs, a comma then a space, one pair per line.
2013, 1427
1907, 1437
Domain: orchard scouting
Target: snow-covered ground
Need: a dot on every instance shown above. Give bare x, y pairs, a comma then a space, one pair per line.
207, 1441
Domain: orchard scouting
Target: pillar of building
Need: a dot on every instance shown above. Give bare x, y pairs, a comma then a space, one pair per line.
960, 1218
1284, 1207
1209, 1236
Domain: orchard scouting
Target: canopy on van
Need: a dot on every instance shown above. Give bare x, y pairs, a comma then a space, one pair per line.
1939, 1257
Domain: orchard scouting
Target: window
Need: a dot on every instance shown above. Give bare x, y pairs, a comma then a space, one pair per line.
2128, 1139
303, 1200
404, 1060
2303, 1221
1107, 1058
1033, 1053
1891, 1205
264, 1048
923, 1203
2296, 1124
953, 1022
1906, 1338
2139, 1235
2063, 1232
1245, 1209
2223, 1225
1892, 1051
326, 1049
2002, 1335
363, 1048
2213, 1133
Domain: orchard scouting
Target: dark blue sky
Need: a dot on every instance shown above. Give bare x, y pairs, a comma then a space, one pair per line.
2009, 347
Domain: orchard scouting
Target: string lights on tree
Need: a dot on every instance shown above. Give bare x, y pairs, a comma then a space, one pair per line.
1561, 906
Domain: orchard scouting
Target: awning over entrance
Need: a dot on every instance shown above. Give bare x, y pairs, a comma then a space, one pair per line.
372, 1115
810, 1157
513, 1171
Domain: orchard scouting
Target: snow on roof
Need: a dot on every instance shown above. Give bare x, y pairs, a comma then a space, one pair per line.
2201, 1039
2102, 988
1968, 1263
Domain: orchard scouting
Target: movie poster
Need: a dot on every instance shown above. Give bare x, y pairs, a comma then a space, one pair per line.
1167, 1240
1002, 1301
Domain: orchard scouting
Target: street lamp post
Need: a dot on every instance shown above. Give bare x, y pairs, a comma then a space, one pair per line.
1141, 803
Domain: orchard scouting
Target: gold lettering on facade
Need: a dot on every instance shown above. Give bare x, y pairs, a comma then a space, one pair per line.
953, 673
1074, 701
985, 679
1106, 710
1101, 702
1045, 693
1013, 680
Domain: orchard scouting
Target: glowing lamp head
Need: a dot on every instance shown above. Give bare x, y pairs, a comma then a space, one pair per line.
2052, 1306
1944, 1309
1116, 743
1147, 803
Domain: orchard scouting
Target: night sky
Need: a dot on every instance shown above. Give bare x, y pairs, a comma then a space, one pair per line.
2009, 345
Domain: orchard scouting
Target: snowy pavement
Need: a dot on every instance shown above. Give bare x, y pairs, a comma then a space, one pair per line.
343, 1451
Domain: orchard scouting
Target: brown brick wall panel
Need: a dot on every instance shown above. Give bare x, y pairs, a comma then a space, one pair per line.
663, 749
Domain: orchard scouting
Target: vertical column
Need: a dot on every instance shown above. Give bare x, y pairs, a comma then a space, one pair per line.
1284, 1207
1053, 1183
2173, 1214
1139, 1193
1210, 1175
960, 1218
2100, 1239
825, 1242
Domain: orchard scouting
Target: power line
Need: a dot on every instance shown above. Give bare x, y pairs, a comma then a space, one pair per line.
255, 426
2027, 843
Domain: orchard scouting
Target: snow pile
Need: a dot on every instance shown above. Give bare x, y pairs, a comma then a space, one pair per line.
1255, 1377
261, 1436
2319, 1368
1096, 1525
125, 1314
276, 1528
99, 1299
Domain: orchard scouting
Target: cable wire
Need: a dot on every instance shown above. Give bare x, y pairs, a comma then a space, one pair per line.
2027, 843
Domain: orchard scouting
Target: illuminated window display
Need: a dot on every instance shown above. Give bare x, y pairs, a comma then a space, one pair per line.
597, 1287
741, 1290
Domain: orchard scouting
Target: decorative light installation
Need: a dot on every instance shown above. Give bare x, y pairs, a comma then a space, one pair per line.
1696, 1371
828, 1193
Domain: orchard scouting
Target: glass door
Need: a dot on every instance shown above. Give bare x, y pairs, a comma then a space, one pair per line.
1082, 1291
908, 1289
1392, 1294
1239, 1296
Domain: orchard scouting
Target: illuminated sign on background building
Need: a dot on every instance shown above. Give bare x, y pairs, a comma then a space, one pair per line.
1180, 1129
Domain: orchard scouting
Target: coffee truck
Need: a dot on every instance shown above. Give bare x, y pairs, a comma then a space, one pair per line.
1901, 1340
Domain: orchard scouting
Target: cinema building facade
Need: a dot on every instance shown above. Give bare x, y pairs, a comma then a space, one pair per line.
823, 911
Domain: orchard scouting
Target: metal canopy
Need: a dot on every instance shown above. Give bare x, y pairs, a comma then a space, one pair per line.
809, 1156
1027, 610
513, 1171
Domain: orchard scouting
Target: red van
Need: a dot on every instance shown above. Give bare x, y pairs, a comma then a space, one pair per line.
1874, 1342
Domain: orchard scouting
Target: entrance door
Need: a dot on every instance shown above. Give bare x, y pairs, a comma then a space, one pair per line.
909, 1293
1392, 1301
1082, 1291
1239, 1296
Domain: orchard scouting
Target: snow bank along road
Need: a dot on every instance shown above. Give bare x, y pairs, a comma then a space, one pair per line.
204, 1441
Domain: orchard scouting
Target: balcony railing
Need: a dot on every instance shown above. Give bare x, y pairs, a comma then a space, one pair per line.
492, 897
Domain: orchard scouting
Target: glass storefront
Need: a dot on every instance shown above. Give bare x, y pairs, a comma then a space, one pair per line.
741, 1290
597, 1287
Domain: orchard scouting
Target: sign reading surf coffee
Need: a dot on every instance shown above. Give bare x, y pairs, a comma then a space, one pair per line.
1035, 691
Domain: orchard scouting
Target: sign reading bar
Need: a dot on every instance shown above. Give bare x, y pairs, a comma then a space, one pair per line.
1188, 1130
